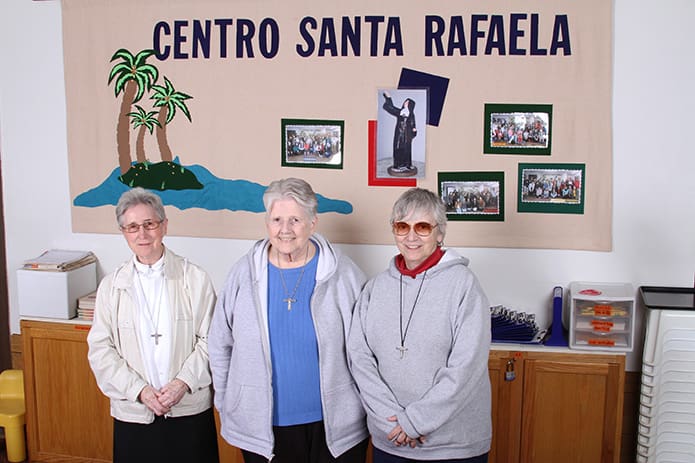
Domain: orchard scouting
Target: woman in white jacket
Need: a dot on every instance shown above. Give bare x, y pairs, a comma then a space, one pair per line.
148, 344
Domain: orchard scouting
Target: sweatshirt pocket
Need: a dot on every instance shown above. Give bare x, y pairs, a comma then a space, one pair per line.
343, 407
247, 409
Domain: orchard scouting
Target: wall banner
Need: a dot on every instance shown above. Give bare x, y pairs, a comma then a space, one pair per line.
207, 102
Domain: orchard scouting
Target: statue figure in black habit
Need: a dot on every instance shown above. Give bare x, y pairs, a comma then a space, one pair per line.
403, 136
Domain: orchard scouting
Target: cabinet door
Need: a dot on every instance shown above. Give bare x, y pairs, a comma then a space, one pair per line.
67, 415
506, 405
572, 408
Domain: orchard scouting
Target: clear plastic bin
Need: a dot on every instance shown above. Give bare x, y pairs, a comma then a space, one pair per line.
602, 316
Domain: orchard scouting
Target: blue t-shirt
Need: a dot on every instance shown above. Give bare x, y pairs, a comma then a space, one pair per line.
293, 347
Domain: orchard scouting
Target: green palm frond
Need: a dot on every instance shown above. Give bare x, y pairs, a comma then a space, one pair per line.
119, 69
124, 54
142, 117
141, 57
167, 96
133, 68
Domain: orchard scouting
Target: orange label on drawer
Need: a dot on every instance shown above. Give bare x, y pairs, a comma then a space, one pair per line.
603, 309
602, 325
601, 342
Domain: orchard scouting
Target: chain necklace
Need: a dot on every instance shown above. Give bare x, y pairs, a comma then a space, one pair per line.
290, 299
402, 349
152, 318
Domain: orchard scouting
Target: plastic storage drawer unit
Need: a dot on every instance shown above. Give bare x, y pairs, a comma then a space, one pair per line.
602, 316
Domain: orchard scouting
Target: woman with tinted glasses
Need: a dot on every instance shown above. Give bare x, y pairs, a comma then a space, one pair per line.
277, 343
419, 345
148, 344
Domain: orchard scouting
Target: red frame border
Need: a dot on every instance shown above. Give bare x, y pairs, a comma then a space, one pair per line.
373, 180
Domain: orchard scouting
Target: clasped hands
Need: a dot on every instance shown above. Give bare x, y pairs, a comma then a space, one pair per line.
400, 438
161, 401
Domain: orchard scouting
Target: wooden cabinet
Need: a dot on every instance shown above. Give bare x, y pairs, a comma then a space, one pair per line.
68, 418
560, 406
67, 415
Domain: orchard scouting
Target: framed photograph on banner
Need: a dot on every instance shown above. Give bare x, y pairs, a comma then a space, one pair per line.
472, 195
553, 188
518, 129
312, 143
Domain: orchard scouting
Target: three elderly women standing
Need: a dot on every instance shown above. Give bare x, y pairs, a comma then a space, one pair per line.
293, 325
277, 343
419, 345
148, 344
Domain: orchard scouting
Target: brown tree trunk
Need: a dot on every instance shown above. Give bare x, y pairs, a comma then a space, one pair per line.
140, 145
123, 127
162, 142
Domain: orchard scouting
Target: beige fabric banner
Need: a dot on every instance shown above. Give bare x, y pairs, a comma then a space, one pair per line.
242, 78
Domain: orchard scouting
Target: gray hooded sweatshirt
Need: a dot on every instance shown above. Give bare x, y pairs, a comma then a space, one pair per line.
239, 350
439, 388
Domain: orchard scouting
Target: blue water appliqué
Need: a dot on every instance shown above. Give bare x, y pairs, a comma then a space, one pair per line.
217, 194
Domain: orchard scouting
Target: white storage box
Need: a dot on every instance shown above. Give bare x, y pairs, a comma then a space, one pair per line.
54, 294
602, 316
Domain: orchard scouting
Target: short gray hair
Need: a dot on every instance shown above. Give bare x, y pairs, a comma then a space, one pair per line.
136, 196
421, 200
292, 188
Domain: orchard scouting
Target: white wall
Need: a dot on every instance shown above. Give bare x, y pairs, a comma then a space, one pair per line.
653, 159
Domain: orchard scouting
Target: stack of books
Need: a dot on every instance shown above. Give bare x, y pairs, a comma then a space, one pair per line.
85, 306
59, 260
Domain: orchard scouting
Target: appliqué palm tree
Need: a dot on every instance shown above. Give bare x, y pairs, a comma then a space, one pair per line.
143, 121
133, 76
167, 99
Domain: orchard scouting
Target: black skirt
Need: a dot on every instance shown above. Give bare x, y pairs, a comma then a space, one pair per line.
186, 438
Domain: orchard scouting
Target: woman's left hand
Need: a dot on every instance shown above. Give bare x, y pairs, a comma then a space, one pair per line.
172, 393
399, 437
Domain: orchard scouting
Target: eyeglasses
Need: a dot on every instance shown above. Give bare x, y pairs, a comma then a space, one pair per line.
420, 228
135, 227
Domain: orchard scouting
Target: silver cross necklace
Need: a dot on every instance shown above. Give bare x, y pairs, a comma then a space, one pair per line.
402, 349
152, 317
290, 299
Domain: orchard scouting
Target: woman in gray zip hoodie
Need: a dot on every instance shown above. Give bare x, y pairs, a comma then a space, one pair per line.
277, 344
419, 346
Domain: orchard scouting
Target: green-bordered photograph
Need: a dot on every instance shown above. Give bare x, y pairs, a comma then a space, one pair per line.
312, 143
472, 195
554, 188
518, 129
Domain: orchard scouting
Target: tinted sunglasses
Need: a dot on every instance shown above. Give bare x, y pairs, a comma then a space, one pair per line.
420, 228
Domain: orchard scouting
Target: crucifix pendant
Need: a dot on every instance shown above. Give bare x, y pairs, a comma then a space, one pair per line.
402, 350
156, 337
289, 301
